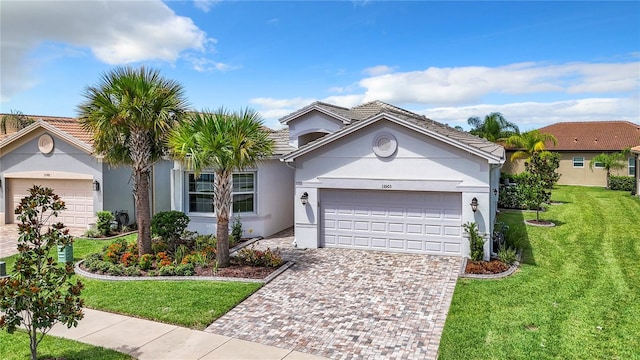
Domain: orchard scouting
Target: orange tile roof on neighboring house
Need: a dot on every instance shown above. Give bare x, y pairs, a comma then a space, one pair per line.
593, 135
68, 125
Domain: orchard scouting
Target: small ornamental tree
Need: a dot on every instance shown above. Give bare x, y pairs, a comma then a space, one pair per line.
39, 292
545, 164
537, 181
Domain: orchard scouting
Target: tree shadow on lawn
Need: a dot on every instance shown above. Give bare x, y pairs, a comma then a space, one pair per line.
515, 221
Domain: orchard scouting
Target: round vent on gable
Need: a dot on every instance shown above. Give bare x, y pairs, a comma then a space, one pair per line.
385, 145
45, 144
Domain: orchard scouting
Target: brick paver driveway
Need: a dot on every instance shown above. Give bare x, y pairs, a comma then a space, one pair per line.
345, 304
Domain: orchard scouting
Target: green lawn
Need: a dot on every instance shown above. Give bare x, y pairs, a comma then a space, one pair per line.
576, 295
16, 347
193, 304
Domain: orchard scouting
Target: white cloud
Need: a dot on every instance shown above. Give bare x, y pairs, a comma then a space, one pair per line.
463, 85
378, 70
205, 5
530, 115
600, 91
116, 32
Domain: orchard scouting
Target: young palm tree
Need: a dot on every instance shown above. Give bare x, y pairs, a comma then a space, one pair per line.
223, 142
609, 162
494, 127
16, 120
129, 113
528, 143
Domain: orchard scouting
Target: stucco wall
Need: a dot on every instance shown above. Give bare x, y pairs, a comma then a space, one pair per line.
26, 157
117, 188
421, 163
274, 199
312, 122
570, 175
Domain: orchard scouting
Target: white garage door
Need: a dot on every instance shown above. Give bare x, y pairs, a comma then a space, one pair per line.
400, 221
77, 195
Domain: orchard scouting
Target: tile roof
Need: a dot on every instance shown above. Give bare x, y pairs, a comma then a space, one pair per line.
280, 142
374, 108
68, 125
72, 127
593, 135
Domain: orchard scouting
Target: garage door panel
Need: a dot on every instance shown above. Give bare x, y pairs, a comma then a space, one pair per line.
77, 195
400, 221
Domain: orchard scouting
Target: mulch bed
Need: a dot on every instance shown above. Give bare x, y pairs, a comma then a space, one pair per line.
486, 267
237, 271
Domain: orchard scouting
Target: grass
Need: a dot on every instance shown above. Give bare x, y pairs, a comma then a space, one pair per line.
194, 304
16, 347
576, 296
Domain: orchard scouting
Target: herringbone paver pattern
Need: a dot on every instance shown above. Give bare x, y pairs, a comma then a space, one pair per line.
348, 304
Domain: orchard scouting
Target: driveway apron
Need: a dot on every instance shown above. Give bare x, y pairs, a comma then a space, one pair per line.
346, 304
9, 238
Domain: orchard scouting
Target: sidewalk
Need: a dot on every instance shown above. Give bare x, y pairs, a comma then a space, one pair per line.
144, 339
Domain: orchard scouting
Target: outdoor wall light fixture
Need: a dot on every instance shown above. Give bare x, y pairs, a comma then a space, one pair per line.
304, 199
495, 191
474, 204
96, 185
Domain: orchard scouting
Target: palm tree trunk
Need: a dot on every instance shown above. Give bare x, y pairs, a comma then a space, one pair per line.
222, 203
143, 211
140, 153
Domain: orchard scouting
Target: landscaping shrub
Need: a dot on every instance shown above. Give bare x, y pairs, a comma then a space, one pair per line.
103, 224
170, 226
236, 231
507, 255
511, 178
146, 262
168, 270
251, 256
512, 197
185, 270
476, 241
626, 183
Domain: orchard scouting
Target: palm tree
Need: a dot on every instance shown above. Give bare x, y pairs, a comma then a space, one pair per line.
16, 120
528, 143
609, 161
223, 142
129, 113
494, 127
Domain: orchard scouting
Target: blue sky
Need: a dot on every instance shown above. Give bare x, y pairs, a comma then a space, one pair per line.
536, 62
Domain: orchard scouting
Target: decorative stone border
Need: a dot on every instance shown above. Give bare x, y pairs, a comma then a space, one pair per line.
266, 280
501, 275
550, 224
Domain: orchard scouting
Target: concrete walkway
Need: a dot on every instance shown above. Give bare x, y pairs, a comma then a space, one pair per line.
144, 339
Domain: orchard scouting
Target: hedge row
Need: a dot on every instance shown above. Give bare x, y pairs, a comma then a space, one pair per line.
626, 183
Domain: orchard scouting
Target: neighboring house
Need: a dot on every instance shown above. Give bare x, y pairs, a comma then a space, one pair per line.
636, 152
262, 196
579, 142
382, 178
56, 152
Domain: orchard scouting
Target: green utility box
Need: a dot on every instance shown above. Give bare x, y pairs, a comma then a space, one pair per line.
65, 253
3, 269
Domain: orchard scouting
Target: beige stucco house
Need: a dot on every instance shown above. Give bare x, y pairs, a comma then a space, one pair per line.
579, 142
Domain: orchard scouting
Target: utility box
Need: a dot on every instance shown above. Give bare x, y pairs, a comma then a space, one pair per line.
3, 269
65, 253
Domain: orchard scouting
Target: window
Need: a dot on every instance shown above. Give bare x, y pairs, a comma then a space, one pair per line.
243, 192
598, 165
632, 166
200, 193
578, 162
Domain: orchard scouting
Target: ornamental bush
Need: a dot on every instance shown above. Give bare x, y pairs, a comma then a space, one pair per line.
170, 226
476, 241
103, 224
626, 183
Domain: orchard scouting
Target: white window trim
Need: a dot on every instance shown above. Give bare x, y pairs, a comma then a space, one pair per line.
631, 162
254, 192
582, 161
231, 213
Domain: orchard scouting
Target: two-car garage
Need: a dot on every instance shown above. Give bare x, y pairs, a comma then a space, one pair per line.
400, 221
